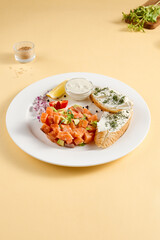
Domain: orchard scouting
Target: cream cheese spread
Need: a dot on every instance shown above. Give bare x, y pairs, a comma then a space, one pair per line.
113, 121
112, 99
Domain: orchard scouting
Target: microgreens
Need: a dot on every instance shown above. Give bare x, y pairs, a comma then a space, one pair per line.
141, 15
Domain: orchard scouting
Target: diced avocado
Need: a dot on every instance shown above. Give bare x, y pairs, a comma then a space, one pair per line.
94, 124
84, 117
82, 144
87, 128
62, 118
76, 121
61, 111
60, 142
65, 121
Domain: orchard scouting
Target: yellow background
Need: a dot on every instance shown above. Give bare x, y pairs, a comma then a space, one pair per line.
115, 201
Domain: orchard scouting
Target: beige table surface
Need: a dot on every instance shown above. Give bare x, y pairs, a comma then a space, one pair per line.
115, 201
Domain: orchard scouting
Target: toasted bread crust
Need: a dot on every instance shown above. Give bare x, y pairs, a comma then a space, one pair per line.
106, 138
101, 106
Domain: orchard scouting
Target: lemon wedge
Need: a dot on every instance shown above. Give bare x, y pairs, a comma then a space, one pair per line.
58, 91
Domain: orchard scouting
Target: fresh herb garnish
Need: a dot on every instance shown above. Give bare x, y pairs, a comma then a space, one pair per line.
63, 120
55, 110
141, 15
121, 100
106, 101
103, 89
97, 90
115, 117
87, 128
115, 98
113, 124
111, 91
70, 115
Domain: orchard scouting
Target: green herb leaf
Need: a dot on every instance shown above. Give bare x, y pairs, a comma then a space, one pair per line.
54, 109
106, 100
121, 100
70, 115
113, 124
97, 90
63, 120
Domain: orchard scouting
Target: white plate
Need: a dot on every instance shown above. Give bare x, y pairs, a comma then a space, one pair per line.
26, 133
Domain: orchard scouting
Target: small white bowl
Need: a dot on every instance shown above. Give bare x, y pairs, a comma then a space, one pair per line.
78, 95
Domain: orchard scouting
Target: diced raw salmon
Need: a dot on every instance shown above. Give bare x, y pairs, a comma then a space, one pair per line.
71, 108
52, 137
88, 137
56, 118
73, 133
45, 128
78, 115
83, 123
85, 110
55, 128
65, 136
50, 120
78, 109
72, 125
79, 132
78, 140
44, 117
92, 117
90, 128
66, 128
49, 110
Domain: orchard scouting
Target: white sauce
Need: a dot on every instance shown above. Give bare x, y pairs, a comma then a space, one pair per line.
113, 121
112, 99
79, 88
78, 85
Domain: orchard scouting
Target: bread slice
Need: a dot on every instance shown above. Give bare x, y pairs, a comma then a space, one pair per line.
104, 139
110, 100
